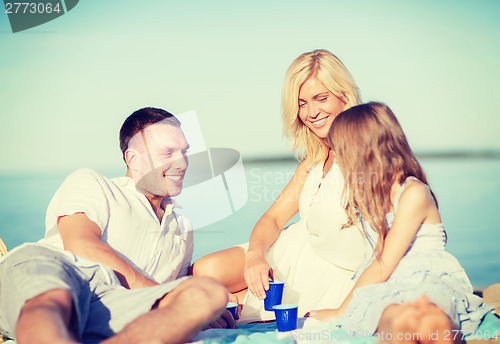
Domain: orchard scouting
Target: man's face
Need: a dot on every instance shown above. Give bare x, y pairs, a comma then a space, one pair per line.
160, 162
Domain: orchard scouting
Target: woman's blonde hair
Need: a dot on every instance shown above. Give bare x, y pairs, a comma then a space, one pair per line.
372, 152
335, 76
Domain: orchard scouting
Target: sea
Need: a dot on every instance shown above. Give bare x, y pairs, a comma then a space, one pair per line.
467, 189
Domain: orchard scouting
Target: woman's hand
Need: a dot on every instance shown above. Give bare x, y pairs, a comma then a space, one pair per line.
324, 314
267, 230
257, 274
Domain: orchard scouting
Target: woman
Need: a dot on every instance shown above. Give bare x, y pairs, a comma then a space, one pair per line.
314, 257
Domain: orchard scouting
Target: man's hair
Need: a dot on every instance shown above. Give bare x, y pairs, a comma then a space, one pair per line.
139, 120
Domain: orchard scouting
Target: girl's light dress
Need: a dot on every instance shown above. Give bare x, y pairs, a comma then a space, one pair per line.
314, 257
426, 268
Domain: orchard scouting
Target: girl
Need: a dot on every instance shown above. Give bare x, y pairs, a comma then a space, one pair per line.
409, 282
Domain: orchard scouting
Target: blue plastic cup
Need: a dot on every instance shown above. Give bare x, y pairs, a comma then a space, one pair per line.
286, 317
232, 306
273, 295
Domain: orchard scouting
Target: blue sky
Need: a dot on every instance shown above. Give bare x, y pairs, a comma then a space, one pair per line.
66, 86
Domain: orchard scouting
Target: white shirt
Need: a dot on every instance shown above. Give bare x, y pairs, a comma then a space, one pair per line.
128, 224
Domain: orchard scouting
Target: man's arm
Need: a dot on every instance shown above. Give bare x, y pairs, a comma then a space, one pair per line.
82, 237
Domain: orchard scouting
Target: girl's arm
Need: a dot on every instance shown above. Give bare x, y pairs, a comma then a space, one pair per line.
414, 207
267, 231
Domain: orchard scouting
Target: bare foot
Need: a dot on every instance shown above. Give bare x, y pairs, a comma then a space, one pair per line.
324, 314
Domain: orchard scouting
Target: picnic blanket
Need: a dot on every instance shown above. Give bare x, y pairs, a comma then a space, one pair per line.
266, 333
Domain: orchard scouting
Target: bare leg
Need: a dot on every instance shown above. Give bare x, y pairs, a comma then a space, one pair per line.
416, 322
179, 316
45, 319
225, 266
241, 295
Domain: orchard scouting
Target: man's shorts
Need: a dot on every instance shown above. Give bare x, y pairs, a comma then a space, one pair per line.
102, 307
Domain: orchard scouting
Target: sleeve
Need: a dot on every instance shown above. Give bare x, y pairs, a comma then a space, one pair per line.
83, 191
186, 228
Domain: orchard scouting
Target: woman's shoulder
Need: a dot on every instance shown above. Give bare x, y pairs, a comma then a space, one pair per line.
305, 167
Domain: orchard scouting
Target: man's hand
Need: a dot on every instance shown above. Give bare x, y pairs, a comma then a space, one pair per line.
225, 321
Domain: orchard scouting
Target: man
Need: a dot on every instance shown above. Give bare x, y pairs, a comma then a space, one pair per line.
108, 267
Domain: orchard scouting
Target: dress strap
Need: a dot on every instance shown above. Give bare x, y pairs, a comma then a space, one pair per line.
400, 191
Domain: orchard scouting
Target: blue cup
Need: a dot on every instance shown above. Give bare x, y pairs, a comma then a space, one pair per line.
273, 295
286, 317
232, 306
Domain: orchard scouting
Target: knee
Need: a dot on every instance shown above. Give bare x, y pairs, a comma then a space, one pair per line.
54, 306
206, 293
59, 299
435, 320
211, 291
207, 266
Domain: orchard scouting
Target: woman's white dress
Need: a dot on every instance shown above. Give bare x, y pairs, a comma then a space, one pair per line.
314, 257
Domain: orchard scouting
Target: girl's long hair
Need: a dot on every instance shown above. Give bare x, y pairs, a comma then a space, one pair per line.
372, 152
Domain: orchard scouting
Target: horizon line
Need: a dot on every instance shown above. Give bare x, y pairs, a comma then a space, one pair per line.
468, 154
255, 159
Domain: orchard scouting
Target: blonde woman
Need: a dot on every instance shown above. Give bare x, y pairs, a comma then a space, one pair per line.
314, 257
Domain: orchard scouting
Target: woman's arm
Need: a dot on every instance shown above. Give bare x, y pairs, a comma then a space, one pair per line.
82, 237
415, 205
267, 231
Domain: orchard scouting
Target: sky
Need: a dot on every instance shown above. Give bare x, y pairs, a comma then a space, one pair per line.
66, 86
